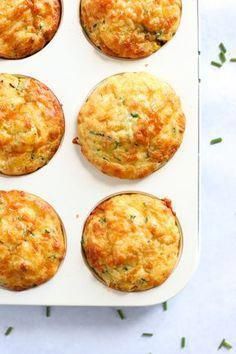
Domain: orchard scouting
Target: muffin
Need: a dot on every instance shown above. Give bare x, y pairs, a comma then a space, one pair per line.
32, 241
130, 29
26, 26
130, 125
132, 241
31, 124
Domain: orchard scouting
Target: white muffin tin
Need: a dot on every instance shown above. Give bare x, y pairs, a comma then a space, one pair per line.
71, 67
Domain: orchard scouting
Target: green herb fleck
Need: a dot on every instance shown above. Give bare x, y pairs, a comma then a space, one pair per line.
225, 344
121, 314
222, 48
8, 331
47, 231
134, 115
146, 219
216, 141
147, 334
214, 63
222, 57
97, 133
48, 311
165, 306
102, 220
233, 60
132, 217
183, 342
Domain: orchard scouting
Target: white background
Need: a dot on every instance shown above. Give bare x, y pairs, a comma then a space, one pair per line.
205, 311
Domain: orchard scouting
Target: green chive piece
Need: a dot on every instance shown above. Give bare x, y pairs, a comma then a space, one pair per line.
216, 141
222, 57
48, 311
134, 115
165, 306
147, 334
8, 331
233, 60
225, 344
183, 342
121, 314
214, 63
222, 48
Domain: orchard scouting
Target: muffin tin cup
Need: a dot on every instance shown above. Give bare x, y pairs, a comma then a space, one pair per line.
46, 45
123, 193
70, 67
114, 56
62, 137
61, 262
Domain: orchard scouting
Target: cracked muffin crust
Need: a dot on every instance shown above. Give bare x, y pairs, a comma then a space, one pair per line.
130, 125
26, 26
31, 124
132, 241
130, 29
32, 241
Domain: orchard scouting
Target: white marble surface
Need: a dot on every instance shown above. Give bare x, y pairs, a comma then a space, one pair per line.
205, 311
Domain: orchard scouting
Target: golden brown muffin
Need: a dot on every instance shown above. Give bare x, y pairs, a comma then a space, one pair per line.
26, 26
132, 241
130, 29
31, 124
131, 125
32, 240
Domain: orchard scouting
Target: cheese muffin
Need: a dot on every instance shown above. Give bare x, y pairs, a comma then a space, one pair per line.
32, 240
131, 125
132, 241
31, 124
26, 26
130, 29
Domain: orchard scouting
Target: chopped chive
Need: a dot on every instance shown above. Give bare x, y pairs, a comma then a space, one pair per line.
225, 345
216, 141
214, 63
222, 57
164, 305
121, 314
134, 115
147, 334
8, 331
233, 60
222, 48
132, 217
183, 342
48, 311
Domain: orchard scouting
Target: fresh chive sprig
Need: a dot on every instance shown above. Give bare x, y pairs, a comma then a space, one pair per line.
147, 334
121, 314
8, 331
216, 141
165, 306
224, 344
183, 342
216, 64
48, 311
222, 48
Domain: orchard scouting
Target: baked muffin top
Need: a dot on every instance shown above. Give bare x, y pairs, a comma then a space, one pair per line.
132, 241
31, 124
26, 26
131, 125
130, 29
32, 241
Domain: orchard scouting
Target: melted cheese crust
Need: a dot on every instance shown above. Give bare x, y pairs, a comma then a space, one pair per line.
26, 26
131, 125
31, 124
32, 241
130, 29
132, 241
